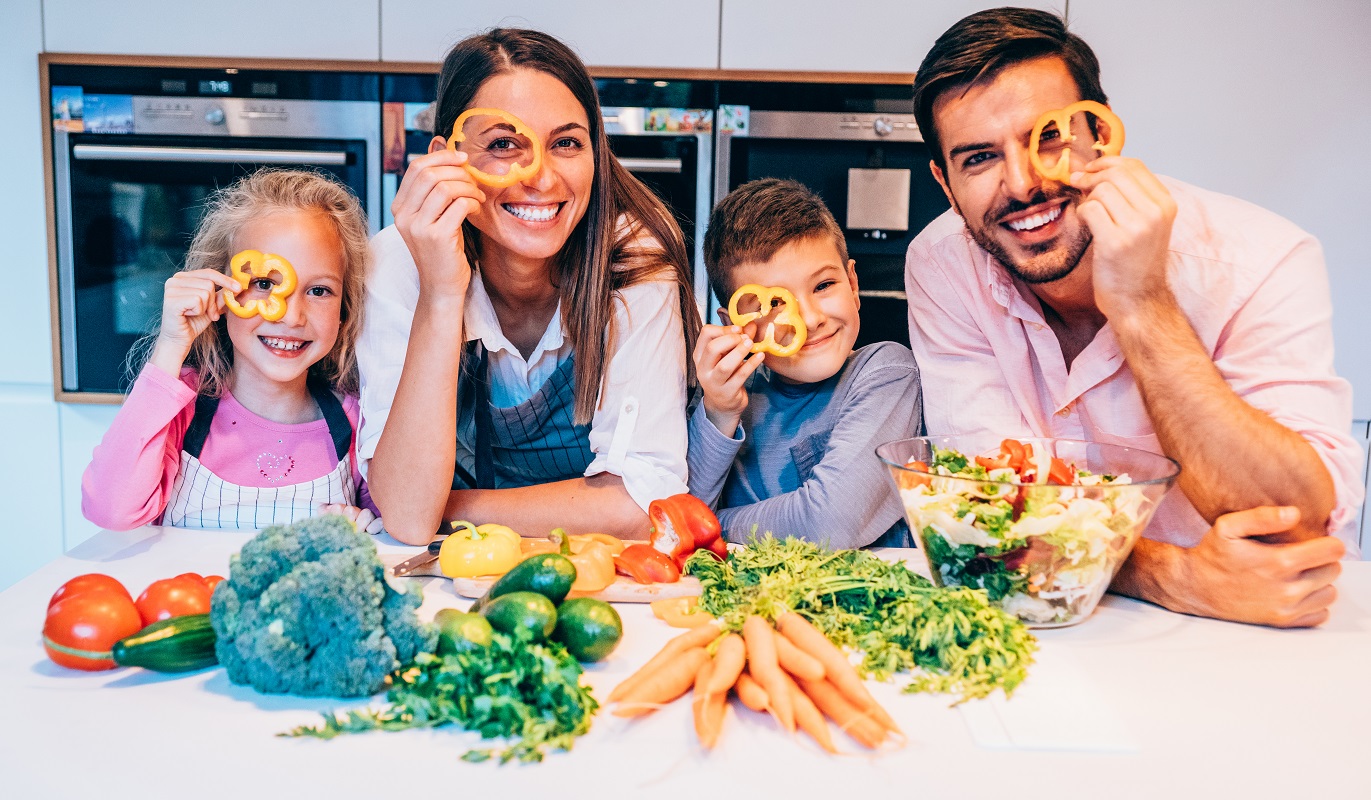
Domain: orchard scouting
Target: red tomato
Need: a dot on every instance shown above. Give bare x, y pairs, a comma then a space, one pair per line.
173, 597
193, 575
1060, 473
915, 479
212, 581
85, 583
1015, 451
81, 629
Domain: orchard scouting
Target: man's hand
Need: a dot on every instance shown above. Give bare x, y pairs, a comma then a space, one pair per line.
1233, 575
722, 366
1129, 213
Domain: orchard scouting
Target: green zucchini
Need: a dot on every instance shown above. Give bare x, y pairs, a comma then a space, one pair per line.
179, 644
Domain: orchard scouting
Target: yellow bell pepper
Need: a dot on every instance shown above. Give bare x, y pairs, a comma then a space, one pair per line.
594, 561
471, 551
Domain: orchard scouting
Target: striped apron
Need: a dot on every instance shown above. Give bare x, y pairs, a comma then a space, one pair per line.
532, 443
201, 499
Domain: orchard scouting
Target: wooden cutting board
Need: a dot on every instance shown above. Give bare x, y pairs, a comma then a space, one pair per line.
623, 590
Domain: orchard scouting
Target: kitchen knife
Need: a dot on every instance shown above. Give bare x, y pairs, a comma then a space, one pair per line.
422, 565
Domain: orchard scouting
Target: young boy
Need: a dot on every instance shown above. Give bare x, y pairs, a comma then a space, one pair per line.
787, 444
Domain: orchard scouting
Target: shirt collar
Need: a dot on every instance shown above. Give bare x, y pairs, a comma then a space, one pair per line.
481, 323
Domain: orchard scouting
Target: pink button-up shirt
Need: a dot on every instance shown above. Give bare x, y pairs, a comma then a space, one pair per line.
1252, 285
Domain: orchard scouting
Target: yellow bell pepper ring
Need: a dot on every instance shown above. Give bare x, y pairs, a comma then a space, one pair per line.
249, 265
1061, 171
472, 551
517, 173
788, 315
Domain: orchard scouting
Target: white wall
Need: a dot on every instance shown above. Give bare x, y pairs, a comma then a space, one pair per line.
1268, 100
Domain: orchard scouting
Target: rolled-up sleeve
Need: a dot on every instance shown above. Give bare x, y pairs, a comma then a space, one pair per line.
1277, 354
392, 293
638, 431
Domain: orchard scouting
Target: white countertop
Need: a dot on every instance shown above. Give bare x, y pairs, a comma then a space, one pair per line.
1207, 709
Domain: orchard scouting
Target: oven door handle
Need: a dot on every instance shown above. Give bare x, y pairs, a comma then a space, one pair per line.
206, 155
672, 165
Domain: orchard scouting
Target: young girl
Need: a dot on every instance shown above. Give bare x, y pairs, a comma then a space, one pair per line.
244, 422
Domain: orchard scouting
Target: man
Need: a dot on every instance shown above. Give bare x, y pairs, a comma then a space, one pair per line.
1125, 308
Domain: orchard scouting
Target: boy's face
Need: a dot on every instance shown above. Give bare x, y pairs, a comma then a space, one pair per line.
826, 290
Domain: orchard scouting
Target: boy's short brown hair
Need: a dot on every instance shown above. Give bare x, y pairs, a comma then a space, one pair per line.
756, 220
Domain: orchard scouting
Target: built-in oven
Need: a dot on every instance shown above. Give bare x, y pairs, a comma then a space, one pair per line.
136, 152
661, 131
858, 148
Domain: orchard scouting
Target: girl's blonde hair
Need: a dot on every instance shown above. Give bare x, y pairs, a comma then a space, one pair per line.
263, 192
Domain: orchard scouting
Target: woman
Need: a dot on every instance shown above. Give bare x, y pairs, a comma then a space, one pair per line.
524, 359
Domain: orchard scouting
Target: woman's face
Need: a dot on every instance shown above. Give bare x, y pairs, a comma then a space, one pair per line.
534, 218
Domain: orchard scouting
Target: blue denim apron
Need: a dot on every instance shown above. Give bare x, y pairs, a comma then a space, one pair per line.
532, 443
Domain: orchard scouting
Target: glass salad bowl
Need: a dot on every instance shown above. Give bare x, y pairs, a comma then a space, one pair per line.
1042, 525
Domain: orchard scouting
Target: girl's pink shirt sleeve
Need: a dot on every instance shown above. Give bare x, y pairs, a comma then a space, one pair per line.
132, 470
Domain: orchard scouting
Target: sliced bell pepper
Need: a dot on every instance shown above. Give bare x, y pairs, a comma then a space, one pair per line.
1061, 171
594, 561
471, 551
788, 315
645, 564
682, 524
517, 173
681, 612
247, 266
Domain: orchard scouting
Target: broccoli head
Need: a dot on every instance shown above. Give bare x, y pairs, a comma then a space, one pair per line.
307, 610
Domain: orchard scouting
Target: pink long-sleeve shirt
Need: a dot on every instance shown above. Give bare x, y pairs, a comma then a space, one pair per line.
133, 469
1253, 287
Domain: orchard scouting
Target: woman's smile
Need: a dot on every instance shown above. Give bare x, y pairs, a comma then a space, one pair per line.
534, 213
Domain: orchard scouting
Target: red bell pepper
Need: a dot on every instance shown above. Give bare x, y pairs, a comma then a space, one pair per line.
682, 524
645, 564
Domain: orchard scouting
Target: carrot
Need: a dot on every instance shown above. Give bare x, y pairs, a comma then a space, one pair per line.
728, 664
798, 662
808, 717
751, 693
663, 685
695, 637
836, 667
762, 663
708, 708
848, 717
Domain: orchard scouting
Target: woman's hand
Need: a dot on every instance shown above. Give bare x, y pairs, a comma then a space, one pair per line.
722, 367
190, 303
363, 518
435, 198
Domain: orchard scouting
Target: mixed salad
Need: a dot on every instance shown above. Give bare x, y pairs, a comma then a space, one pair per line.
1041, 537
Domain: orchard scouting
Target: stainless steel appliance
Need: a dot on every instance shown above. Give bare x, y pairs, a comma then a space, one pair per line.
136, 152
662, 131
857, 147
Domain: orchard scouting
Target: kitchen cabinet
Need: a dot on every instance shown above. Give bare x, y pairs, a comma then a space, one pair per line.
31, 491
854, 36
300, 29
1262, 99
676, 34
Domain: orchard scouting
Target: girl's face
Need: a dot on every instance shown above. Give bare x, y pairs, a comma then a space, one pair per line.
535, 218
283, 351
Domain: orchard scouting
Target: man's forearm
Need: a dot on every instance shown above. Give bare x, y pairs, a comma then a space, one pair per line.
598, 504
1232, 455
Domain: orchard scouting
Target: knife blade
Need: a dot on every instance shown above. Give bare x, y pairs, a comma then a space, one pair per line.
424, 564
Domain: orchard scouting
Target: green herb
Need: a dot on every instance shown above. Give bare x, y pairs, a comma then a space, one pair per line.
951, 639
527, 693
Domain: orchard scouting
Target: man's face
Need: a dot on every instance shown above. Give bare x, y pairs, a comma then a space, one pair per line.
1026, 222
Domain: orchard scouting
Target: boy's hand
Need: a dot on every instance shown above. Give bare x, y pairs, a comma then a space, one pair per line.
361, 517
723, 367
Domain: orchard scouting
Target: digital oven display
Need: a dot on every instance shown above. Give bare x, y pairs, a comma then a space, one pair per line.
215, 87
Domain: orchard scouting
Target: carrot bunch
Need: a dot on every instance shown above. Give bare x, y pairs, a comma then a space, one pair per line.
792, 672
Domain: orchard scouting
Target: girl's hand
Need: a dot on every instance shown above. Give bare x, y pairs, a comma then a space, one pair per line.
361, 517
722, 367
435, 198
190, 302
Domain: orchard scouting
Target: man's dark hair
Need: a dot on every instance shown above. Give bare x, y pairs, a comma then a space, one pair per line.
978, 47
759, 218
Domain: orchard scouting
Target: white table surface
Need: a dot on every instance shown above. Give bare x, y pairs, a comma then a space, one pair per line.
1215, 710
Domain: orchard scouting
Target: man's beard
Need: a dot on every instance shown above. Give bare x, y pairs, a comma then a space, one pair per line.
1046, 262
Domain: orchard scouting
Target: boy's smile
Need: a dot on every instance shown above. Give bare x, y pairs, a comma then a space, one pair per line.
825, 290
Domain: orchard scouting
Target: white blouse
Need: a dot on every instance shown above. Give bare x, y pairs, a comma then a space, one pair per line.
638, 431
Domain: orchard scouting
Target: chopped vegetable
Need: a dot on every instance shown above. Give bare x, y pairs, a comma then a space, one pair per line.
594, 561
682, 524
530, 694
681, 612
646, 564
951, 639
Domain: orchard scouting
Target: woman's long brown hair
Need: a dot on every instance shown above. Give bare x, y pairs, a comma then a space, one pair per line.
627, 234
